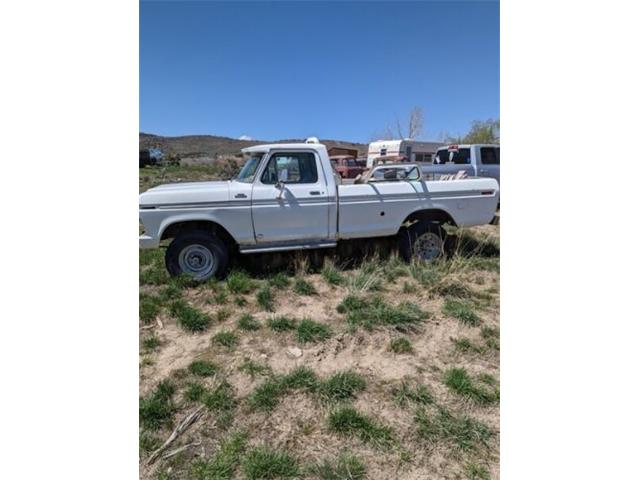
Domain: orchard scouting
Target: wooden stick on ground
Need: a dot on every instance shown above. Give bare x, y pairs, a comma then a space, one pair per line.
176, 451
179, 430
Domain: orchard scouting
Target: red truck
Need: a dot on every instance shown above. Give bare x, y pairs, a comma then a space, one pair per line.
347, 166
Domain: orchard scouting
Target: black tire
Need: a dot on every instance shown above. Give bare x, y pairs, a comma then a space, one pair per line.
408, 237
197, 243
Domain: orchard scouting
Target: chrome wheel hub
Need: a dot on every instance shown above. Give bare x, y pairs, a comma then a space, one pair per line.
427, 246
197, 261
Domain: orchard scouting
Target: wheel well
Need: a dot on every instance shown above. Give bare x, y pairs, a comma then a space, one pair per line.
433, 215
219, 231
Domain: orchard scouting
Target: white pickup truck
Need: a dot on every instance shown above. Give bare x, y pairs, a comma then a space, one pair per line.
482, 160
286, 198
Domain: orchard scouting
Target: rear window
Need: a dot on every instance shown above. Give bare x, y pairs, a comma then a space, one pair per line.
461, 156
490, 155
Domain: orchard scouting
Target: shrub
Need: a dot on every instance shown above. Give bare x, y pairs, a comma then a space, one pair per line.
150, 343
194, 392
281, 324
464, 432
348, 421
190, 318
157, 408
459, 381
226, 339
461, 310
280, 281
240, 283
332, 275
400, 345
310, 331
265, 298
265, 463
149, 308
303, 287
342, 385
377, 312
203, 368
248, 323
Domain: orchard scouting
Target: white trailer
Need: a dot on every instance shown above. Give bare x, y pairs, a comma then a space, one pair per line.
406, 150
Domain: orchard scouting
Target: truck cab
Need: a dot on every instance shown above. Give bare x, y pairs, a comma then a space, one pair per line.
477, 160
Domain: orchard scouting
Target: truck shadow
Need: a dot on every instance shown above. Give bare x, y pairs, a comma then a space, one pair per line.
352, 254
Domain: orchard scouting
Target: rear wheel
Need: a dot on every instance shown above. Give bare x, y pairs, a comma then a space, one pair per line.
423, 241
198, 255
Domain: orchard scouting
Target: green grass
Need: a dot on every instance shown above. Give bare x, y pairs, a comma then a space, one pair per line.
149, 308
151, 343
281, 324
460, 382
349, 422
188, 317
378, 312
280, 281
203, 368
253, 369
148, 442
466, 433
221, 398
418, 394
409, 288
194, 392
221, 297
154, 275
332, 275
342, 386
240, 301
171, 292
149, 256
223, 465
267, 395
476, 472
345, 467
491, 336
303, 287
240, 283
425, 274
461, 310
368, 278
465, 345
248, 323
265, 298
226, 339
157, 408
400, 345
300, 378
310, 331
223, 314
266, 463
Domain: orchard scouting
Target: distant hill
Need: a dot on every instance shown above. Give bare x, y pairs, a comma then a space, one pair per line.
213, 146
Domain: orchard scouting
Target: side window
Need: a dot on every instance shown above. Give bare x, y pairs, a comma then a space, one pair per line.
383, 152
490, 156
459, 157
300, 168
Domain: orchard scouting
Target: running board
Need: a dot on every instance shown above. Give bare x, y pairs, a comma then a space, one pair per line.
285, 247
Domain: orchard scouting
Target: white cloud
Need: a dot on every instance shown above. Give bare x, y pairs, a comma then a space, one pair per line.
244, 137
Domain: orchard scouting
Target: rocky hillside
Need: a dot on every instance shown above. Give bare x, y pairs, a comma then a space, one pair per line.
213, 146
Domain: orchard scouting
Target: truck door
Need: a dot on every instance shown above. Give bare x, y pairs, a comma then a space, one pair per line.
290, 201
489, 165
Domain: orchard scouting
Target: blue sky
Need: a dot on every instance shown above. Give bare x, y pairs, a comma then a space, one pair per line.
340, 70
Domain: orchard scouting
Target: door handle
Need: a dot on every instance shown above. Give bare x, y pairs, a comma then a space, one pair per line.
240, 195
315, 192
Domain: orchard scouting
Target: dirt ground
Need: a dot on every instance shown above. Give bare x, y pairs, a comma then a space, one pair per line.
298, 424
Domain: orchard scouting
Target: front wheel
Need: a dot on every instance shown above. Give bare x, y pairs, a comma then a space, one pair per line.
423, 241
198, 255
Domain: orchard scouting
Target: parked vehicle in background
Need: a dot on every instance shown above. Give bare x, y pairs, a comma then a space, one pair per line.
388, 151
151, 156
286, 198
347, 166
477, 160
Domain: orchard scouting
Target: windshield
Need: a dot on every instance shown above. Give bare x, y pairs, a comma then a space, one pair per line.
250, 167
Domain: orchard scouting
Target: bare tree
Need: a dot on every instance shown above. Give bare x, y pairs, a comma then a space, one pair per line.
415, 124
